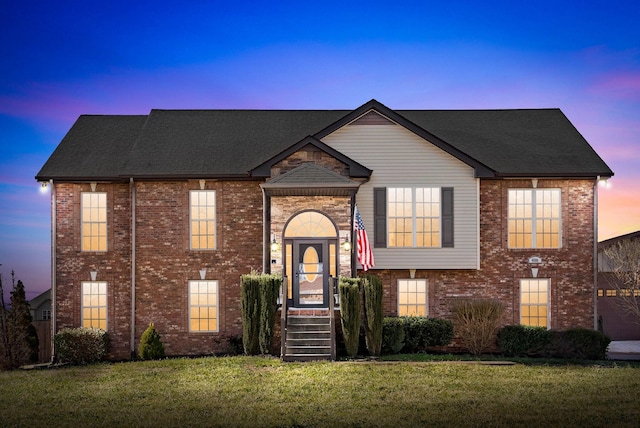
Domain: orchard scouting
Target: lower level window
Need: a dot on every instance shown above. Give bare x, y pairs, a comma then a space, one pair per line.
94, 304
534, 302
203, 305
412, 297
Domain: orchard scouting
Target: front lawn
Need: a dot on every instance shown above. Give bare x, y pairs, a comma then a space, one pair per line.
264, 392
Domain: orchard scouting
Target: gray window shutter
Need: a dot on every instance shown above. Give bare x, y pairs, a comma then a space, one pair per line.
447, 216
380, 217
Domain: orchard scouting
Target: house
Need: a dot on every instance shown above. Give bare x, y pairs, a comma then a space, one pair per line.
613, 319
41, 306
156, 216
41, 316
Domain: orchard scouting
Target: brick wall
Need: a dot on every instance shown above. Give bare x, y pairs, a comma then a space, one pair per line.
569, 268
165, 262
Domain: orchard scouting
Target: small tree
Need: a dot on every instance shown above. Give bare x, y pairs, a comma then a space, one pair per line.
477, 322
373, 316
623, 258
18, 337
349, 289
151, 347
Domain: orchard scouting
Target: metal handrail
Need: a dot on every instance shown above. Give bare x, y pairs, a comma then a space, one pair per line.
283, 316
332, 318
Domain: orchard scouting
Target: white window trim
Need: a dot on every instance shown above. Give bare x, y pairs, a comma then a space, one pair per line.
106, 303
534, 235
414, 238
215, 221
217, 305
82, 222
548, 280
426, 299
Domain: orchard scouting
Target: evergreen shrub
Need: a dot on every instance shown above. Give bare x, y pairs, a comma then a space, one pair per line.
414, 334
259, 298
373, 316
151, 347
81, 345
523, 341
349, 289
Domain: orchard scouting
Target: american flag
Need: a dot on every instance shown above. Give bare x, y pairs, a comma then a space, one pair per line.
365, 256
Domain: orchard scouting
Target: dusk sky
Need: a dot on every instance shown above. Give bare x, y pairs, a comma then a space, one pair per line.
63, 59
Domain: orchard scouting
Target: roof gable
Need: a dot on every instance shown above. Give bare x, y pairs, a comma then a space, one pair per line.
355, 169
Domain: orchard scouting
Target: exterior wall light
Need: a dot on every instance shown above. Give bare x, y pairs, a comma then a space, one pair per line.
346, 245
274, 244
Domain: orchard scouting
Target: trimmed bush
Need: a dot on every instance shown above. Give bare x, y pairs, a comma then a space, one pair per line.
151, 347
578, 343
413, 334
373, 316
81, 345
259, 297
476, 322
523, 341
575, 343
392, 335
349, 289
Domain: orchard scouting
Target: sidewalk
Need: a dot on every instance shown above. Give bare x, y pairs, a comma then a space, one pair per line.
624, 350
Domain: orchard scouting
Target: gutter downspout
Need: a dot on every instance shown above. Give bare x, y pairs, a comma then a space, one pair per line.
132, 185
53, 270
266, 266
595, 253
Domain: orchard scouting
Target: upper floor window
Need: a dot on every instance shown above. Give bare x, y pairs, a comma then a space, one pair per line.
203, 219
412, 297
534, 218
203, 305
413, 217
94, 304
46, 314
94, 221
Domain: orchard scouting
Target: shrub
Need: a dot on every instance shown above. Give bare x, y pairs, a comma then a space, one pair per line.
373, 316
413, 334
259, 294
392, 335
523, 341
81, 345
349, 289
476, 322
578, 343
151, 347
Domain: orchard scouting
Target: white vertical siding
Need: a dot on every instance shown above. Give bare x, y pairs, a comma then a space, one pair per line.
399, 158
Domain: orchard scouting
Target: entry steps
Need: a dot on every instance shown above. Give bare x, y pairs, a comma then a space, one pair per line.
308, 337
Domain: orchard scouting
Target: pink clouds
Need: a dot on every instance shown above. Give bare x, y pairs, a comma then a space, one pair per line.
620, 85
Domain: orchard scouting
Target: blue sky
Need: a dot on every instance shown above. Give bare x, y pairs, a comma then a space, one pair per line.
60, 61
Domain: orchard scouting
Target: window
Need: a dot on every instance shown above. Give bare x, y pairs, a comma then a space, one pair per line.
46, 314
534, 218
94, 304
203, 305
534, 302
203, 219
611, 293
414, 217
94, 221
412, 297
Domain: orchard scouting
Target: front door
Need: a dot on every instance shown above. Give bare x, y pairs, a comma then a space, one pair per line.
310, 273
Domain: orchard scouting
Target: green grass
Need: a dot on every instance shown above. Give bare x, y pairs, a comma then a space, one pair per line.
254, 391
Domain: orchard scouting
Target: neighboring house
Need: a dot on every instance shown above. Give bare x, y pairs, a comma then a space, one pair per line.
41, 315
156, 216
612, 317
41, 306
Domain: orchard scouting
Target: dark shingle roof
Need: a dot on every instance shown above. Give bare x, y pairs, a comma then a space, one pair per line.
96, 147
230, 143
